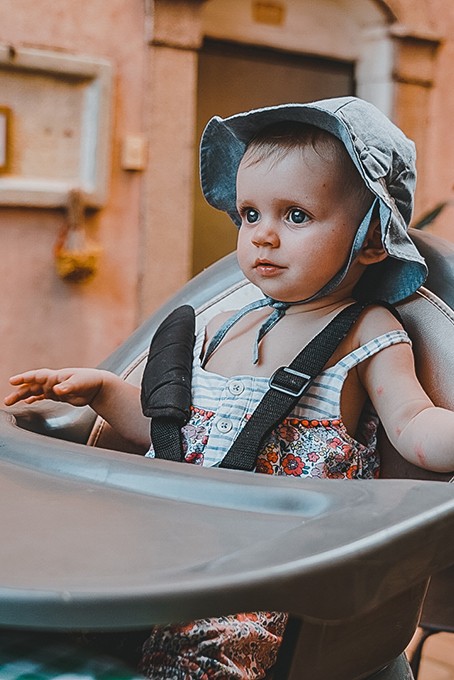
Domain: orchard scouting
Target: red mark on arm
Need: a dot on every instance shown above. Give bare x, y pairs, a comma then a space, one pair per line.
421, 457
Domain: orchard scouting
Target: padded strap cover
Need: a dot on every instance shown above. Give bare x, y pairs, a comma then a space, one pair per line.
166, 381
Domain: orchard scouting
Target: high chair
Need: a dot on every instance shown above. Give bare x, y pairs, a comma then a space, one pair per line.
104, 541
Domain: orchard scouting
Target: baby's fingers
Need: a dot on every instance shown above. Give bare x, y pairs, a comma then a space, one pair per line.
75, 386
74, 390
42, 376
22, 378
32, 400
31, 386
23, 393
66, 386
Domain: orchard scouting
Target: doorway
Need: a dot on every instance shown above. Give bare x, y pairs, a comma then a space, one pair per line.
233, 77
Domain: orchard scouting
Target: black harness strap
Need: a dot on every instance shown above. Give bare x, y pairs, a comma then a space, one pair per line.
165, 434
287, 385
166, 382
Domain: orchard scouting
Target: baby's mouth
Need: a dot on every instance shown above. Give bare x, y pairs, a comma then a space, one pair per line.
267, 267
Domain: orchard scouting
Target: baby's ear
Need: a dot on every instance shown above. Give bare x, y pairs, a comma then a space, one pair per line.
373, 250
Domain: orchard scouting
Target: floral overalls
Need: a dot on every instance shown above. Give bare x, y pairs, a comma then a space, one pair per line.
311, 442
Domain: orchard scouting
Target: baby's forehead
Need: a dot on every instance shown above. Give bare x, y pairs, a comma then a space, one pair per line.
314, 147
276, 141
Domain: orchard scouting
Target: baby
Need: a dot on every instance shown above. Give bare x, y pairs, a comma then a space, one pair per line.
322, 194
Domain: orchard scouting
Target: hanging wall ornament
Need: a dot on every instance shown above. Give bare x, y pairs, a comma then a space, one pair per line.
76, 255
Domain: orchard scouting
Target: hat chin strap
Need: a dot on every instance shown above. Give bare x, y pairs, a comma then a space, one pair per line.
357, 244
281, 307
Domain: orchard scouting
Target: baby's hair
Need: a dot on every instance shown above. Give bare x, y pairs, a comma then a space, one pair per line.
276, 140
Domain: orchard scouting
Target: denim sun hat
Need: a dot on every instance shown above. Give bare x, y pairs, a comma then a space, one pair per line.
383, 155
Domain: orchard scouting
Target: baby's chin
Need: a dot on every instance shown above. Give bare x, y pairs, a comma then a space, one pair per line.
273, 288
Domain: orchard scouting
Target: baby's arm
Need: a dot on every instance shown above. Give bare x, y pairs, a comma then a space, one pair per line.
421, 432
111, 397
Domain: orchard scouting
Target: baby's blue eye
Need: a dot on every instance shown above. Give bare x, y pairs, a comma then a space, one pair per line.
297, 216
251, 215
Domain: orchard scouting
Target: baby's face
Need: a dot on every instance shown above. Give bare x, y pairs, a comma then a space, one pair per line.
298, 224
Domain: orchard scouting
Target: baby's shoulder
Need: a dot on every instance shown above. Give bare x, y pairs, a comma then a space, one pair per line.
374, 321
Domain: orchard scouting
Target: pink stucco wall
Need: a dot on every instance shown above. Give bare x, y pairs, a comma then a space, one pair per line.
44, 320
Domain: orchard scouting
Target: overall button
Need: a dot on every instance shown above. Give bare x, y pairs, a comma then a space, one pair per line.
236, 387
224, 425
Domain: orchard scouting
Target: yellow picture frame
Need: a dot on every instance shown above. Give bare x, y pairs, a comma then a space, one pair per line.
5, 139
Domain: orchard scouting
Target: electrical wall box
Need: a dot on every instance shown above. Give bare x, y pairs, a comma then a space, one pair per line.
134, 153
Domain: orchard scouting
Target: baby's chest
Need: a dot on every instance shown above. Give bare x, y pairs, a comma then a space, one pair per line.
277, 347
227, 398
235, 355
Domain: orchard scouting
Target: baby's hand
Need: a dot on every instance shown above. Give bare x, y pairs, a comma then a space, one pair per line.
76, 386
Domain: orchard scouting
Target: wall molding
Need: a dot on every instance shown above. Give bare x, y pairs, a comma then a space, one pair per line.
92, 77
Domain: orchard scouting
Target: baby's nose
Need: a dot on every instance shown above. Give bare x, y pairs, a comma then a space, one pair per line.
265, 233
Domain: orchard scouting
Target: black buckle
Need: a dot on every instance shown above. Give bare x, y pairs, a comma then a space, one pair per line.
292, 382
